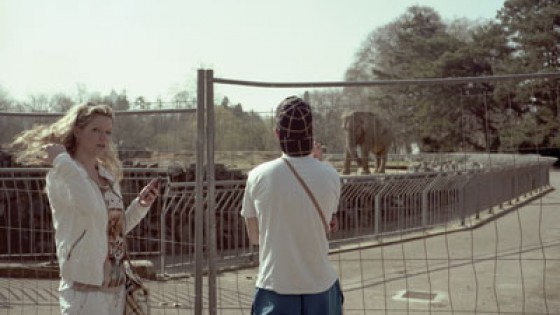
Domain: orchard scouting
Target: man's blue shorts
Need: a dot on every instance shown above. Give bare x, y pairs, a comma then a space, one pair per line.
325, 303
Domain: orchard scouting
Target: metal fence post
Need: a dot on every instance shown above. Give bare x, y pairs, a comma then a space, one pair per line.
163, 230
199, 193
425, 202
211, 187
377, 210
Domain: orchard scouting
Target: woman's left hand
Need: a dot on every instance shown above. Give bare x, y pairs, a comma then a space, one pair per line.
149, 193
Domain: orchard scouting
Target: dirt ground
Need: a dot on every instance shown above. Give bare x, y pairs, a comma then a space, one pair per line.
246, 160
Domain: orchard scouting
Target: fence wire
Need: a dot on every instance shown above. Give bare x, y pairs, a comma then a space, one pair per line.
410, 243
452, 233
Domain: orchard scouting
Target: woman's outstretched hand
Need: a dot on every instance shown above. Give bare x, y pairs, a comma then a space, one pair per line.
150, 192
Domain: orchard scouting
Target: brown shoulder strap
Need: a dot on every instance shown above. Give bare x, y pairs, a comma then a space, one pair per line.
310, 194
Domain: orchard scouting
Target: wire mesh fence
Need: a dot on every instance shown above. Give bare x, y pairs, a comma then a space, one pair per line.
439, 233
375, 214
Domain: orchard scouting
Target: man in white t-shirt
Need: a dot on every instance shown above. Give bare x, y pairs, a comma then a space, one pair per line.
295, 275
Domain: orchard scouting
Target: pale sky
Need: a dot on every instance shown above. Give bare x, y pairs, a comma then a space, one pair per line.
152, 48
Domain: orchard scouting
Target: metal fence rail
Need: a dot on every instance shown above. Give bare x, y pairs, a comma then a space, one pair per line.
26, 228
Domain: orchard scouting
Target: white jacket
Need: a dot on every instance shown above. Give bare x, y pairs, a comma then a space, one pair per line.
80, 220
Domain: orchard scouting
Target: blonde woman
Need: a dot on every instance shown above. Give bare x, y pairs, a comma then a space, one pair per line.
89, 216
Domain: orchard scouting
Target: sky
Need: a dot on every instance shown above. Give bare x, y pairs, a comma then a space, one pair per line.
153, 48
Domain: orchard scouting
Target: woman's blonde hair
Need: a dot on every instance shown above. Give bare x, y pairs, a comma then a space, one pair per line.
28, 144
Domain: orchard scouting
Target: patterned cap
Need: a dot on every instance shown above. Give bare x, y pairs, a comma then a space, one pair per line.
294, 123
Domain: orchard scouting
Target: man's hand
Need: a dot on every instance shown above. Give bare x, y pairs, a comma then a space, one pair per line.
333, 225
317, 151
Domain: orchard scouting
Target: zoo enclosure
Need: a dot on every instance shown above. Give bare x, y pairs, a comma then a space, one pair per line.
370, 206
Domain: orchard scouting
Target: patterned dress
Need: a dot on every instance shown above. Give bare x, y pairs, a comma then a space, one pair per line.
114, 276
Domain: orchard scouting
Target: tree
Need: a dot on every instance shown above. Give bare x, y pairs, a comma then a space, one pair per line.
238, 130
140, 103
5, 101
225, 102
481, 56
182, 100
60, 102
38, 102
408, 48
9, 126
533, 28
121, 102
81, 92
533, 32
404, 48
328, 106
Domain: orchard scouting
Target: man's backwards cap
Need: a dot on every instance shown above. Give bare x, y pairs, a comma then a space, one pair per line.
294, 123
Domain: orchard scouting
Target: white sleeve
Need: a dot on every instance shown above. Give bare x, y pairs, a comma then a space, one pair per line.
134, 212
248, 208
67, 184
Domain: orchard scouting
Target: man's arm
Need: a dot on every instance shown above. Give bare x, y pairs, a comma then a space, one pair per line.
252, 225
